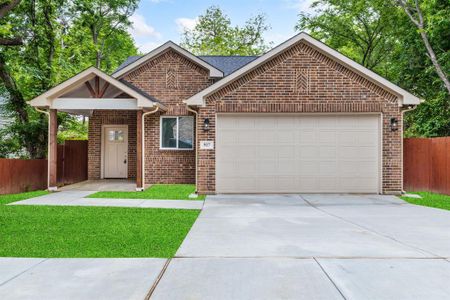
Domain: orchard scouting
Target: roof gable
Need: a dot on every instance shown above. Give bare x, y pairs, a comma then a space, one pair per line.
121, 72
226, 64
45, 99
406, 98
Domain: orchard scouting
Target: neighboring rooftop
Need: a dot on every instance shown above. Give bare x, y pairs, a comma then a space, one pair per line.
227, 64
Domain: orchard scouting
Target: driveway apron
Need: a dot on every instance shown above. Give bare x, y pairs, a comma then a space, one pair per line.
311, 247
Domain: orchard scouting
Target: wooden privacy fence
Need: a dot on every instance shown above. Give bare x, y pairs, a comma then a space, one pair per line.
426, 164
21, 175
72, 162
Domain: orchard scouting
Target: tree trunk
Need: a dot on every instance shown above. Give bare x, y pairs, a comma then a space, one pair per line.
7, 7
434, 60
18, 103
416, 17
16, 97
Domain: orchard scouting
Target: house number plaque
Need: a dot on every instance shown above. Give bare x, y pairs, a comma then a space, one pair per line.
206, 145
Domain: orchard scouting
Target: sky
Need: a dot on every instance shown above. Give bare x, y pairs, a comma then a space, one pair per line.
157, 21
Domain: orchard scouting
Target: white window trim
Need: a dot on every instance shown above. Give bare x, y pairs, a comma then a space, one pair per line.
178, 133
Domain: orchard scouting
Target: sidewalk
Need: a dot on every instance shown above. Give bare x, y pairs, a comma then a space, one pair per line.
78, 278
76, 198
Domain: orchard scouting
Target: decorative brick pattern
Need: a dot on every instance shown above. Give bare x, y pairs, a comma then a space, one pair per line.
170, 78
328, 87
110, 117
301, 82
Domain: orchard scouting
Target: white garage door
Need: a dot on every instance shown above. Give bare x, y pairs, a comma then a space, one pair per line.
297, 153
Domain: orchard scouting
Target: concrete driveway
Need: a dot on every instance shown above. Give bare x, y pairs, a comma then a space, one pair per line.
267, 247
312, 247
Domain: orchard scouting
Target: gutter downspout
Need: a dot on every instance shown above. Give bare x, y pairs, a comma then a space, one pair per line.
48, 143
196, 145
410, 108
143, 144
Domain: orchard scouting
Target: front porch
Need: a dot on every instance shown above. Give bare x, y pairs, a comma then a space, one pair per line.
116, 147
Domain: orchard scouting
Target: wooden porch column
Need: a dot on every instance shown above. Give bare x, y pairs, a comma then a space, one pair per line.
52, 150
139, 171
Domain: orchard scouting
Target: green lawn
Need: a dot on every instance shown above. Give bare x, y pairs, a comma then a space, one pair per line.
57, 231
430, 199
156, 191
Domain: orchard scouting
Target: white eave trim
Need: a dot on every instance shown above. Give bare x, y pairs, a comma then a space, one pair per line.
94, 104
213, 72
46, 99
405, 97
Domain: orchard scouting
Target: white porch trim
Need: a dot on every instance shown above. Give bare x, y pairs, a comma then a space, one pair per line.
94, 103
46, 99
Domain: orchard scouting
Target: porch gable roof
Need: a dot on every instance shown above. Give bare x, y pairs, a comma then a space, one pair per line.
53, 98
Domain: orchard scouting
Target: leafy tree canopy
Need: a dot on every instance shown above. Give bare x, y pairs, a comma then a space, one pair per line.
44, 42
215, 35
380, 35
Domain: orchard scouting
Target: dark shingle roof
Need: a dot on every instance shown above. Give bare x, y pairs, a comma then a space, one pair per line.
129, 60
227, 64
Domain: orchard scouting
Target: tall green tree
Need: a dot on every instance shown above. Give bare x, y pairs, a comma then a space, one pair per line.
103, 20
416, 71
26, 68
380, 35
46, 43
215, 35
363, 30
416, 16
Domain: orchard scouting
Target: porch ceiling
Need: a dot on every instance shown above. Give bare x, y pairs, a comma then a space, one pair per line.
94, 90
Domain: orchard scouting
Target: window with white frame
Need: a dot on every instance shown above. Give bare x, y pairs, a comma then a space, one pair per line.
177, 133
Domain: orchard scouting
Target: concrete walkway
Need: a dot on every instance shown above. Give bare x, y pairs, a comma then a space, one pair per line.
76, 198
312, 247
120, 185
35, 278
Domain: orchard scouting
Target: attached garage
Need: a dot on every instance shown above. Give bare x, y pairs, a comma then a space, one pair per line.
298, 153
302, 118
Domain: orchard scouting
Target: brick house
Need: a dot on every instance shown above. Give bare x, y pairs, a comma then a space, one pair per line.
300, 118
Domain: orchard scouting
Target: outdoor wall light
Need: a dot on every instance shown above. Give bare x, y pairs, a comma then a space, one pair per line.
394, 124
206, 124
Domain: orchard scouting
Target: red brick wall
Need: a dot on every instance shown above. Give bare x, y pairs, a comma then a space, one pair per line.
302, 79
170, 78
110, 117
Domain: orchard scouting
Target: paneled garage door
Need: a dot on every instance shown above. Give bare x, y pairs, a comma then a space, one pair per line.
259, 153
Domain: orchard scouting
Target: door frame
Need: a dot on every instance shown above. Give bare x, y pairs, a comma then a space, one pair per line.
102, 151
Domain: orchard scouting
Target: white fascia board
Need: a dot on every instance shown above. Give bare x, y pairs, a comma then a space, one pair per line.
406, 97
213, 72
94, 104
45, 100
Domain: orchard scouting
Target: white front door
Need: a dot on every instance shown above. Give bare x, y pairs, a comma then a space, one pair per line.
115, 141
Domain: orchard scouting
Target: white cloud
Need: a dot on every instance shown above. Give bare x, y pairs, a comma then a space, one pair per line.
147, 46
140, 28
185, 23
299, 5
